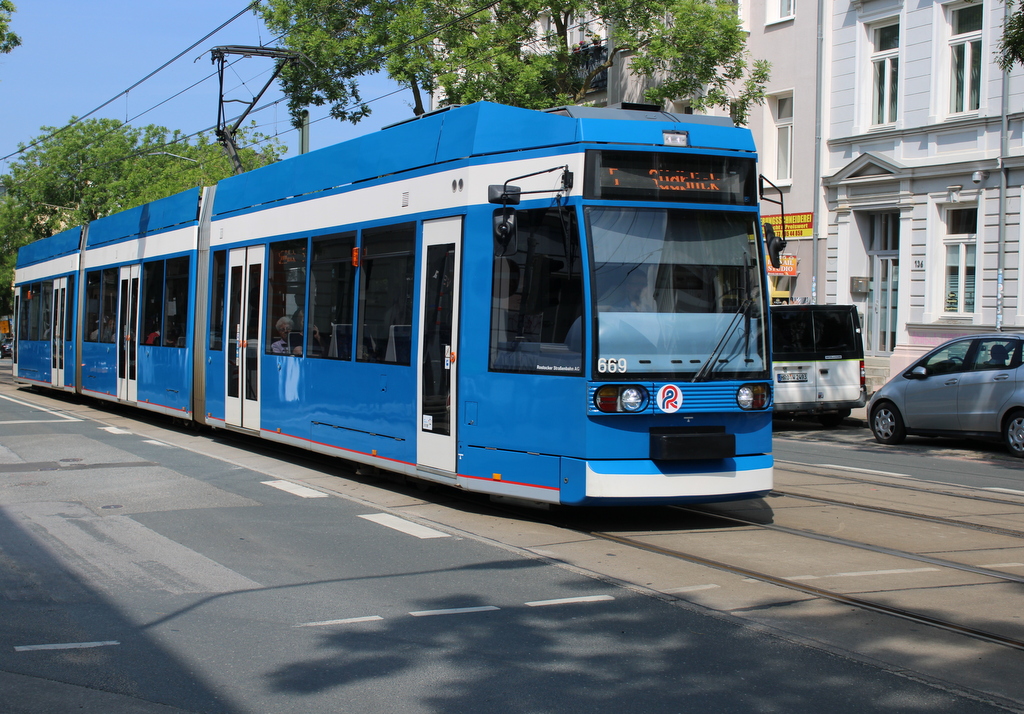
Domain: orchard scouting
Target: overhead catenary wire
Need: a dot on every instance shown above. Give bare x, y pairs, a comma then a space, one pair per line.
124, 92
373, 58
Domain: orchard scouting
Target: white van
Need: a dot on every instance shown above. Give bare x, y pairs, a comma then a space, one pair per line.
817, 361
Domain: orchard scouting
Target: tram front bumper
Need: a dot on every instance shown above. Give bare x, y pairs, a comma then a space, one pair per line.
680, 481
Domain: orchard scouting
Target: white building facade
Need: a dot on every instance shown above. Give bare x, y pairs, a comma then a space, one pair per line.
897, 145
921, 172
787, 129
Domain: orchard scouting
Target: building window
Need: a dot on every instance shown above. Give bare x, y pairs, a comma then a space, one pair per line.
779, 10
885, 232
784, 138
885, 64
961, 260
965, 59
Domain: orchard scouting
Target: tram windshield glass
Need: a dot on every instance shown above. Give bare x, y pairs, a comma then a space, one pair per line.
677, 292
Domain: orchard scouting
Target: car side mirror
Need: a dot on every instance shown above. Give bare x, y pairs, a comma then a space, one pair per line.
918, 372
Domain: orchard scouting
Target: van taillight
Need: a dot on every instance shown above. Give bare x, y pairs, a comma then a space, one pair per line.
863, 380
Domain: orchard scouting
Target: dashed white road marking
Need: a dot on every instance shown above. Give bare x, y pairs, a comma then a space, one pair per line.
1003, 565
66, 646
454, 611
154, 441
896, 571
690, 589
295, 489
466, 610
114, 430
400, 524
343, 621
566, 600
1005, 490
860, 471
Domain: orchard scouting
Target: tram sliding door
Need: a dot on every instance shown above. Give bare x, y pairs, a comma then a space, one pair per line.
127, 333
245, 294
56, 328
438, 342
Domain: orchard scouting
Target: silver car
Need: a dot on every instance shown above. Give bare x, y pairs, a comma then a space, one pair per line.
968, 387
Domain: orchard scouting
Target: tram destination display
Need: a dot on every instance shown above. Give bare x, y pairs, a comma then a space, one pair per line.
657, 176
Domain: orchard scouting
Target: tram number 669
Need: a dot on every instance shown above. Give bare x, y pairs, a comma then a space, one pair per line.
611, 365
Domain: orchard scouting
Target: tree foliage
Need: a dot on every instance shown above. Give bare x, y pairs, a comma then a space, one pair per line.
96, 167
519, 52
1011, 46
8, 40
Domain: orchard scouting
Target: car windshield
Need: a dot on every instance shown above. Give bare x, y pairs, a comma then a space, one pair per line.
677, 292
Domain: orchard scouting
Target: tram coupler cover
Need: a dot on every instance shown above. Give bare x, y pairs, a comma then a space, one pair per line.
691, 444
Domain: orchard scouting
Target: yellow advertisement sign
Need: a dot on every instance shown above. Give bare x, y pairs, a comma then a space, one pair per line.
798, 225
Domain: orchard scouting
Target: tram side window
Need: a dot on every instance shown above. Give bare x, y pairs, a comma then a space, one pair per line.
45, 309
28, 322
92, 306
537, 297
217, 298
69, 311
165, 306
101, 305
108, 333
153, 303
286, 297
176, 302
385, 294
331, 297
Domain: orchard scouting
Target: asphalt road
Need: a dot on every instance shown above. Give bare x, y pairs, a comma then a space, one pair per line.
140, 575
978, 464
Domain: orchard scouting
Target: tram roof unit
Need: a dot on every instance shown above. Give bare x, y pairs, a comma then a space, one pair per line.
476, 130
58, 245
160, 216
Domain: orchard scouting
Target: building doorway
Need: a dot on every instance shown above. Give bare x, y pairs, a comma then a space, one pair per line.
883, 284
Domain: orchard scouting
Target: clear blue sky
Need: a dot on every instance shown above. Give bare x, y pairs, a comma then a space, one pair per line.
76, 55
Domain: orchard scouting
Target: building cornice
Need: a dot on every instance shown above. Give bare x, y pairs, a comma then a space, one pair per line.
914, 131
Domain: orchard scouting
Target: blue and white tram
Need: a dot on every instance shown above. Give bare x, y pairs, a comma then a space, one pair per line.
564, 307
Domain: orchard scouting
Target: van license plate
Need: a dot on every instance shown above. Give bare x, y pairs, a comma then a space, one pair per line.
792, 376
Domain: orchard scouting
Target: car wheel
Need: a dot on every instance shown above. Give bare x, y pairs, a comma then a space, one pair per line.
887, 424
1013, 434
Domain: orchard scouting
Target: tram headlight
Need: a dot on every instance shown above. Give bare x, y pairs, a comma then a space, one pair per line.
752, 396
633, 399
620, 398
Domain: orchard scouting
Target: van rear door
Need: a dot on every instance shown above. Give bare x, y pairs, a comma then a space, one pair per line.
793, 359
817, 358
840, 351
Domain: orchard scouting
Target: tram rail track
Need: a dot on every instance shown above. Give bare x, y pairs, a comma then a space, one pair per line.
933, 487
941, 520
834, 540
916, 617
858, 601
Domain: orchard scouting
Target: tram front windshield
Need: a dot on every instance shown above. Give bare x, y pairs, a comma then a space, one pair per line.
678, 293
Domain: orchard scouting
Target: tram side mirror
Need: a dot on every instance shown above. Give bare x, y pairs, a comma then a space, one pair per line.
775, 245
503, 195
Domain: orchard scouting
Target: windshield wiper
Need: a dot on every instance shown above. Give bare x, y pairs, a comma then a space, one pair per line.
709, 365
